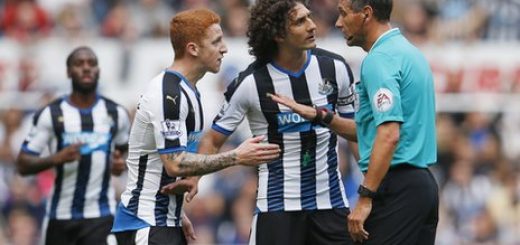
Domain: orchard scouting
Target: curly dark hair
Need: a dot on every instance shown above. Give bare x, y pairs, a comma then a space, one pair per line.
268, 20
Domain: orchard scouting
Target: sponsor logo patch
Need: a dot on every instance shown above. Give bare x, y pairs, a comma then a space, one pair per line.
383, 100
171, 129
90, 141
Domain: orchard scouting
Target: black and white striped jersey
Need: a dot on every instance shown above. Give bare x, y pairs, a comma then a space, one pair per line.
81, 188
168, 119
306, 177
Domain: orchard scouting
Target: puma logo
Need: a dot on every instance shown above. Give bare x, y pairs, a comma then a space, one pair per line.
168, 97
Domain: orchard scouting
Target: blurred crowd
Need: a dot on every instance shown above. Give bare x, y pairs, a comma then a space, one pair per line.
478, 168
129, 20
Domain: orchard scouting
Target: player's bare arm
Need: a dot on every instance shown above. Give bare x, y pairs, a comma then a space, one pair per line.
249, 153
28, 164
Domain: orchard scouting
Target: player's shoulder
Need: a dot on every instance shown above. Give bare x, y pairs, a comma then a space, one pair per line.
319, 52
55, 104
111, 103
244, 77
155, 86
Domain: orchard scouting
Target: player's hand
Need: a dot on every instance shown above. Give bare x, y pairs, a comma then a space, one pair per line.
187, 227
179, 187
68, 154
356, 219
118, 163
253, 152
305, 111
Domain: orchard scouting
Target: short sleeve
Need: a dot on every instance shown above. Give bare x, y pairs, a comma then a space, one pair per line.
40, 134
381, 77
346, 95
123, 131
163, 111
234, 108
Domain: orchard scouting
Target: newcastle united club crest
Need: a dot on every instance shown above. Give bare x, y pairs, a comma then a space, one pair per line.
325, 87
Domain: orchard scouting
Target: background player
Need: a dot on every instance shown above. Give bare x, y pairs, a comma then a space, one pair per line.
87, 136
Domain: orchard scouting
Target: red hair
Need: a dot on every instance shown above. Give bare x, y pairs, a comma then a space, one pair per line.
190, 26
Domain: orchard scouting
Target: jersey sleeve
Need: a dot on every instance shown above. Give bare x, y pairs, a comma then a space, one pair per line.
123, 131
40, 134
346, 95
234, 108
381, 78
164, 111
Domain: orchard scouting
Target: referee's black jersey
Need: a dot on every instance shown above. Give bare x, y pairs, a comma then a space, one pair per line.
306, 177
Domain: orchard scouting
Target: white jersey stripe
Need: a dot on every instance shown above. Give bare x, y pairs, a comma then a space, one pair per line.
141, 236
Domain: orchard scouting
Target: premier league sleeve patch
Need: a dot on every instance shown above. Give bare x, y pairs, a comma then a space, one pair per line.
383, 100
171, 129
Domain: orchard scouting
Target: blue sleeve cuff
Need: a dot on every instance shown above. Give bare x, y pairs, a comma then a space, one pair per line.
347, 115
26, 149
221, 130
171, 150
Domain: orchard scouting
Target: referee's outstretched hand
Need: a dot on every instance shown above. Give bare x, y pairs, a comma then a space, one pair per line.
305, 111
253, 152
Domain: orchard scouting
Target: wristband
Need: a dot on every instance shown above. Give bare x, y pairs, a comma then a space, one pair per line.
327, 119
365, 192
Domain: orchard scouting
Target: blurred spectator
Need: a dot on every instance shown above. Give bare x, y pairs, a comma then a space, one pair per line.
464, 197
504, 207
72, 22
324, 14
101, 8
482, 138
446, 140
503, 20
484, 229
28, 74
417, 22
22, 227
25, 20
150, 18
459, 20
235, 21
119, 24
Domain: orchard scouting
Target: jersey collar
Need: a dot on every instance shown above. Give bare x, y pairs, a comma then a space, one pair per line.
385, 36
185, 80
290, 73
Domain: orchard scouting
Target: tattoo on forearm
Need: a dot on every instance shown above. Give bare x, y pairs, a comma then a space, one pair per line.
191, 164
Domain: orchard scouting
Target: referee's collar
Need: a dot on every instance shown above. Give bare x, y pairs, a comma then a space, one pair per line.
385, 36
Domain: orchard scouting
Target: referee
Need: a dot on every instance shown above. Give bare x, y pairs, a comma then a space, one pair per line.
394, 126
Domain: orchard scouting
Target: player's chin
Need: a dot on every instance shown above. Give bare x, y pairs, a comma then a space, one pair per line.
310, 45
215, 69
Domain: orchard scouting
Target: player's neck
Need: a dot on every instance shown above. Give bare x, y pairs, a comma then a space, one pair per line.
372, 36
189, 71
82, 100
291, 59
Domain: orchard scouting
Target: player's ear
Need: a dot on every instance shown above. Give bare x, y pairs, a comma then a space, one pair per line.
192, 49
